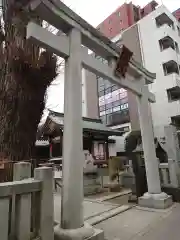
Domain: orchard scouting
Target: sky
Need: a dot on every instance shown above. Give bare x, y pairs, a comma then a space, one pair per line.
94, 12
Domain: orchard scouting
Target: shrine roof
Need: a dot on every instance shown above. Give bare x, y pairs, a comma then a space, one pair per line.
88, 124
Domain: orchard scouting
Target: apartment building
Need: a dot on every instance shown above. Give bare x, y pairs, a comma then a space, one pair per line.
177, 14
159, 34
123, 17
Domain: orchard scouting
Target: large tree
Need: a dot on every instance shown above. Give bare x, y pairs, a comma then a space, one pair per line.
26, 72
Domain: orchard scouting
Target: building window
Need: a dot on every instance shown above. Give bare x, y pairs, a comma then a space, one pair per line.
173, 94
109, 105
108, 111
116, 109
176, 121
170, 67
118, 14
119, 117
124, 106
164, 19
124, 100
108, 96
168, 42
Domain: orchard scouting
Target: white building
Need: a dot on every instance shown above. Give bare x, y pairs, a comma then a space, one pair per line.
159, 36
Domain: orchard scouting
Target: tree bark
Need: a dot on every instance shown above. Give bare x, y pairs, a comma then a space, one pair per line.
24, 78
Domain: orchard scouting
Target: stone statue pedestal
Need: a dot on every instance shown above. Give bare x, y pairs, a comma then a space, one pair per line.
91, 178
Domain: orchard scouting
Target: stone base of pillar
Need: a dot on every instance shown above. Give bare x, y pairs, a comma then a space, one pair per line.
157, 201
86, 232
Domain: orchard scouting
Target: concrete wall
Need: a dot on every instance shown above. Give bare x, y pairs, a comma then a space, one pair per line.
150, 34
130, 38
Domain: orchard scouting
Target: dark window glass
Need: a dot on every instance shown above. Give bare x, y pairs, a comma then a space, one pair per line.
170, 67
118, 118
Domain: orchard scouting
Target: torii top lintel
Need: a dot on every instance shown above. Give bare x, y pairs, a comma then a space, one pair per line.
63, 18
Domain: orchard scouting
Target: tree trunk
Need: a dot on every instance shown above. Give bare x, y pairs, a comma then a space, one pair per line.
25, 76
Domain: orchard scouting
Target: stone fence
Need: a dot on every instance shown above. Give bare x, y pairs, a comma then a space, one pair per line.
169, 175
26, 204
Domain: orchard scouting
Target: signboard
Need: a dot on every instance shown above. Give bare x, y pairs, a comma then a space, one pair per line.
123, 62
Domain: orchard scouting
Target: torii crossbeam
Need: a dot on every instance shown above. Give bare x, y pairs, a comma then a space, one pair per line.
70, 45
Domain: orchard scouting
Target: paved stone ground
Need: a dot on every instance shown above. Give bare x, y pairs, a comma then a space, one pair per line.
133, 224
143, 224
91, 208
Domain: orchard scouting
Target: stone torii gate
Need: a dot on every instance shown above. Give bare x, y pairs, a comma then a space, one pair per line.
70, 46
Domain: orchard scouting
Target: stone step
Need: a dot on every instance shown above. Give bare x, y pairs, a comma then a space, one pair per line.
92, 189
108, 214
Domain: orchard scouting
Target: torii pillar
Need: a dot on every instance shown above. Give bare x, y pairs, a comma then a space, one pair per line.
154, 198
72, 224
